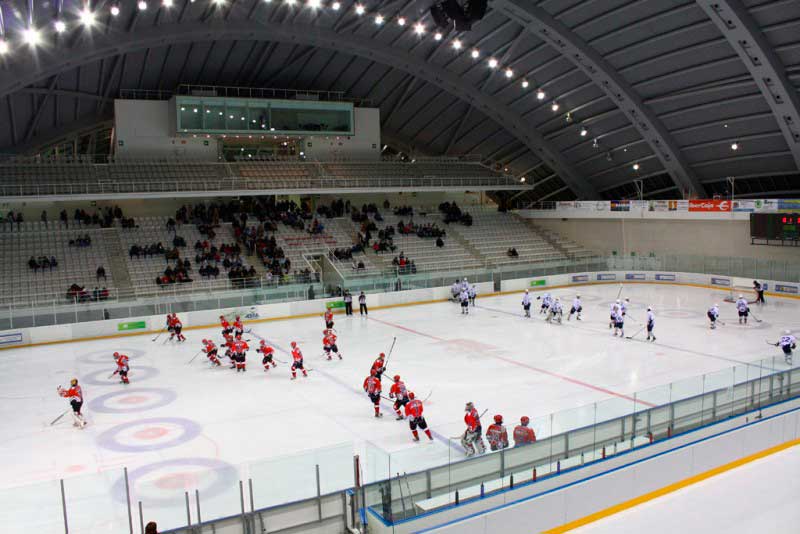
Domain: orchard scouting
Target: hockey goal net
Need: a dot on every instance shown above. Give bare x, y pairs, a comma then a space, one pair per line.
747, 292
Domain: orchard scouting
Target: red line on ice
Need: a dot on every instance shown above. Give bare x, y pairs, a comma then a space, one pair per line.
526, 366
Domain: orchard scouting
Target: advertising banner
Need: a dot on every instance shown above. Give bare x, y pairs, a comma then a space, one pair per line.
335, 304
606, 276
620, 205
580, 278
131, 325
720, 282
789, 206
748, 206
709, 205
538, 283
661, 277
635, 276
566, 205
13, 338
783, 288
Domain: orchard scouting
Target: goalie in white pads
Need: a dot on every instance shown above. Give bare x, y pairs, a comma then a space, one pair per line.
787, 343
526, 303
555, 311
472, 440
651, 323
577, 307
743, 308
713, 315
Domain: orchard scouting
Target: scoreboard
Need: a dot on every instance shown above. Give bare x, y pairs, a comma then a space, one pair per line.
775, 225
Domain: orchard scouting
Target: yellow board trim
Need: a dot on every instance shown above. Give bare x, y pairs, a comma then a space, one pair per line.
388, 306
617, 508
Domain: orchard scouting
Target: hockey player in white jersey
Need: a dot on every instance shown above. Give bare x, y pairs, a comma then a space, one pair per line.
473, 292
556, 312
577, 307
623, 306
651, 323
464, 298
615, 307
526, 303
743, 308
713, 315
619, 323
787, 343
455, 290
547, 300
465, 285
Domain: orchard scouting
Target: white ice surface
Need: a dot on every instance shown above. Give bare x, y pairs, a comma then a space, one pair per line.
759, 497
263, 424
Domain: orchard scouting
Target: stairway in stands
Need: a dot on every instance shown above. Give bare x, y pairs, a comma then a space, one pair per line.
116, 254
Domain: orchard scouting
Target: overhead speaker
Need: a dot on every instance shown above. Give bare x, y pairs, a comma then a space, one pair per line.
440, 17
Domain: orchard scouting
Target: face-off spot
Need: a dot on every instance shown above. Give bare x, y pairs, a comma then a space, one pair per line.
75, 468
163, 483
133, 399
151, 433
173, 481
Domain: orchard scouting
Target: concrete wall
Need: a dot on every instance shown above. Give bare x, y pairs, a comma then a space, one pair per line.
694, 237
364, 145
144, 130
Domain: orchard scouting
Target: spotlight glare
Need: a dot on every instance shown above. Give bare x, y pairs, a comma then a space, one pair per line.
419, 28
584, 132
288, 2
509, 73
31, 37
401, 21
437, 36
457, 44
635, 166
476, 53
221, 2
492, 63
315, 4
166, 3
522, 179
60, 26
142, 5
735, 146
540, 94
525, 84
359, 9
114, 11
554, 107
378, 19
3, 47
335, 6
87, 17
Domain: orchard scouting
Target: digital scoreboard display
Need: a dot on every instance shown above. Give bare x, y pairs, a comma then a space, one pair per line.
775, 225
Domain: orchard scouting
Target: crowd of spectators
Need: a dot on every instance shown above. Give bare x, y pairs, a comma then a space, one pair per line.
404, 265
512, 253
81, 241
156, 249
43, 262
403, 211
77, 293
178, 274
452, 213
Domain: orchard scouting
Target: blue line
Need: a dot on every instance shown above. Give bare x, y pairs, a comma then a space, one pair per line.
388, 407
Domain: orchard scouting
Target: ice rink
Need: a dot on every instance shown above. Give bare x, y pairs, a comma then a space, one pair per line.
176, 418
758, 497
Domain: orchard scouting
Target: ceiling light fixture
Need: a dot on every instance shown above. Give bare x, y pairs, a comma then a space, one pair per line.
142, 5
419, 28
554, 107
735, 146
457, 45
509, 73
635, 166
540, 94
378, 19
401, 21
492, 63
31, 37
584, 132
525, 84
437, 36
114, 11
359, 9
60, 26
335, 6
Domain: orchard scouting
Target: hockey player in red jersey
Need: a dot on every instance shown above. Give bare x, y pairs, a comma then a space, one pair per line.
238, 326
329, 344
210, 350
122, 367
75, 396
472, 440
400, 395
229, 350
372, 387
522, 434
268, 353
240, 348
177, 327
328, 318
497, 435
378, 365
297, 362
226, 326
414, 413
170, 326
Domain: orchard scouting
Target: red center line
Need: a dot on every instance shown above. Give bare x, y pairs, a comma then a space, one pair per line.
532, 368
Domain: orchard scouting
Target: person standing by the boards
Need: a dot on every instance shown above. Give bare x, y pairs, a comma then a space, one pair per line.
362, 304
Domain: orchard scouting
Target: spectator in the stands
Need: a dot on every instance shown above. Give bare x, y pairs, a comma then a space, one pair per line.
170, 224
134, 251
439, 242
104, 293
64, 218
33, 264
53, 262
101, 273
512, 253
44, 218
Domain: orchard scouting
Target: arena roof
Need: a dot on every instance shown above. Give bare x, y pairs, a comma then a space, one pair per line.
584, 98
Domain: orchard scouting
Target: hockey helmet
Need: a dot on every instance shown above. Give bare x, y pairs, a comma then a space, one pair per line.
373, 372
524, 420
498, 419
221, 316
627, 299
116, 354
649, 308
716, 305
204, 341
294, 344
73, 382
411, 395
396, 378
741, 296
237, 317
381, 355
618, 301
578, 295
526, 291
469, 406
263, 342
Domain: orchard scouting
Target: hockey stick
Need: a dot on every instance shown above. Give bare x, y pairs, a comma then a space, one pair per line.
756, 318
112, 374
195, 356
158, 335
634, 335
619, 292
386, 364
770, 343
57, 419
428, 397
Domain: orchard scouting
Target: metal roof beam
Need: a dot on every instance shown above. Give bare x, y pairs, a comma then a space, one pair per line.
540, 23
742, 32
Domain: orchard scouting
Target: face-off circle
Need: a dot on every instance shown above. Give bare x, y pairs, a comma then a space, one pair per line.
138, 373
133, 400
149, 434
164, 483
106, 356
